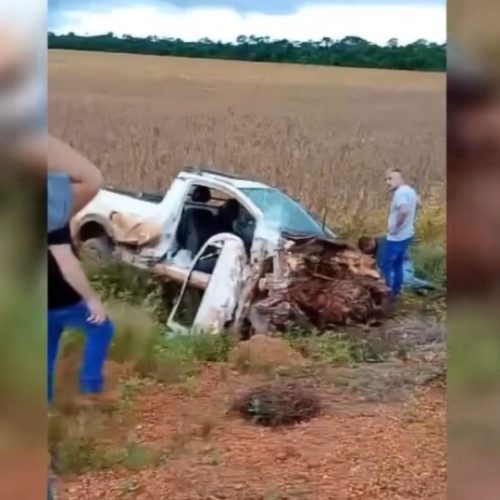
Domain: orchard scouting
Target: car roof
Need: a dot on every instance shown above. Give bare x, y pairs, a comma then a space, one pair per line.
222, 178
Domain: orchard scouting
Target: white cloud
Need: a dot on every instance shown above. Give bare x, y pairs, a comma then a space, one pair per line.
376, 23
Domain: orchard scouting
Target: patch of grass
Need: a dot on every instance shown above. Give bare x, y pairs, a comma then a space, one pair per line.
273, 494
431, 219
136, 332
86, 440
118, 282
211, 347
189, 386
432, 304
137, 456
339, 348
129, 388
83, 454
212, 457
174, 358
81, 443
429, 259
79, 455
74, 442
410, 410
374, 383
171, 363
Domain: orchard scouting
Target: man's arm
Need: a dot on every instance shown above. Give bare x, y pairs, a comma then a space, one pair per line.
72, 271
38, 152
402, 203
403, 212
85, 177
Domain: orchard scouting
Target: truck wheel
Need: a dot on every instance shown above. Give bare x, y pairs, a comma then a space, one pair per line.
96, 250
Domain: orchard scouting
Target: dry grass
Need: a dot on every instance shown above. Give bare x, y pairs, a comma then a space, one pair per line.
326, 135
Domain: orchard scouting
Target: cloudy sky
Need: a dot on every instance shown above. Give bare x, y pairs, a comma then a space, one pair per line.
375, 20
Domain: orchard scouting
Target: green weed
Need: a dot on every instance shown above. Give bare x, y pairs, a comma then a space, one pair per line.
339, 348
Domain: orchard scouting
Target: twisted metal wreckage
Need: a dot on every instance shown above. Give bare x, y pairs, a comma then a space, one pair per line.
315, 282
308, 282
277, 265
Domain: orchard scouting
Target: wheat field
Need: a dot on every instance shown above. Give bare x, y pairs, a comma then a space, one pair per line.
325, 135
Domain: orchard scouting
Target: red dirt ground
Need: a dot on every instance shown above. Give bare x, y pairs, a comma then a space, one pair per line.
354, 450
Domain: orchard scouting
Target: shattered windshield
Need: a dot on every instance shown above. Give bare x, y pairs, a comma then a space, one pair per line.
282, 212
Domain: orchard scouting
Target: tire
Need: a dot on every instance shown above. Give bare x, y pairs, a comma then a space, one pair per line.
96, 250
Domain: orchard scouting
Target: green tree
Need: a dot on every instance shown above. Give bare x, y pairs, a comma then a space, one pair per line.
351, 51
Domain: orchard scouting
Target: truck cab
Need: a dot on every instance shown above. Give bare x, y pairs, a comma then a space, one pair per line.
206, 232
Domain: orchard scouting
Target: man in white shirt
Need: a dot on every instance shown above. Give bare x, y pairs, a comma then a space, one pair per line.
400, 230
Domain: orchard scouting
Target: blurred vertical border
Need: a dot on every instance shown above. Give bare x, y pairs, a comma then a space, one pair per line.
473, 200
23, 83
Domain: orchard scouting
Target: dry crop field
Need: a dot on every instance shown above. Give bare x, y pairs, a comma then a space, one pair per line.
326, 135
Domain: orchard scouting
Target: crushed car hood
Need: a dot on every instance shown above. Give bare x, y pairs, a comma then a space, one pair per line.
319, 283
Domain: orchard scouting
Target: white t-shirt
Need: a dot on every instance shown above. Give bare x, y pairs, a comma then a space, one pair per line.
404, 195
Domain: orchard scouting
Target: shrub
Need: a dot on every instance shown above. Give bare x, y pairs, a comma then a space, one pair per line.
281, 402
429, 260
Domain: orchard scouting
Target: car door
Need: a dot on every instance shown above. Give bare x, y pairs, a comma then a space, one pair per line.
218, 301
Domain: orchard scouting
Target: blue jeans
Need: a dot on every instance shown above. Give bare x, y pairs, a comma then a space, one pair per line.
392, 264
97, 342
411, 281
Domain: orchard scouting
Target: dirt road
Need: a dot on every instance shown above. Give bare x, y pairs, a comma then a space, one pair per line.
394, 448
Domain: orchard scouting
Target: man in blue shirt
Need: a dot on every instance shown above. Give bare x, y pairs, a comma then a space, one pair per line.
400, 229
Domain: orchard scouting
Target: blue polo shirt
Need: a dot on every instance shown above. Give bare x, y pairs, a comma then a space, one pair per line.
59, 200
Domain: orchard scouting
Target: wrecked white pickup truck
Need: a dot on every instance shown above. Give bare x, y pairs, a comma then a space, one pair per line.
258, 259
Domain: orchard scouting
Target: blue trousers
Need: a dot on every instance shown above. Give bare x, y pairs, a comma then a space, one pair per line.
392, 264
97, 341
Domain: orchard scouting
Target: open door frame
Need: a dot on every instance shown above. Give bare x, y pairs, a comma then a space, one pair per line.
220, 298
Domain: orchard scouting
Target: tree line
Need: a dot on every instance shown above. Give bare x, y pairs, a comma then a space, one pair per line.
350, 51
